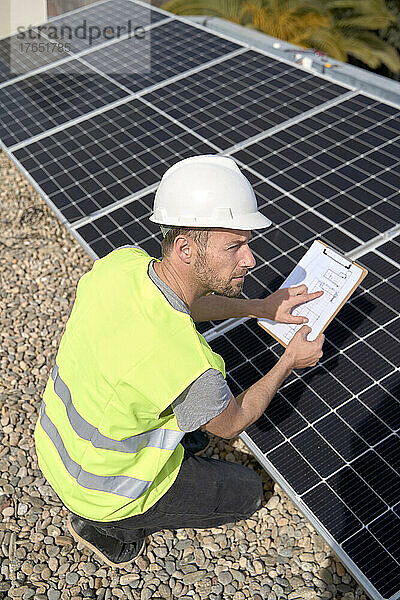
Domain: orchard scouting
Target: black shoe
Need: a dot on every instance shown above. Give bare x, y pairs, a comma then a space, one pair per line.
195, 441
109, 549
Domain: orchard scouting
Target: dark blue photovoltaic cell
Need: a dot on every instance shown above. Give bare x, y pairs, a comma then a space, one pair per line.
128, 224
374, 561
16, 60
391, 249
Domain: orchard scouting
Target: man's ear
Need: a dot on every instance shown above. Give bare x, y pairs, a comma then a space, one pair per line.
183, 248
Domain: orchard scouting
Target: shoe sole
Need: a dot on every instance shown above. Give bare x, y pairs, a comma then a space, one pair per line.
98, 553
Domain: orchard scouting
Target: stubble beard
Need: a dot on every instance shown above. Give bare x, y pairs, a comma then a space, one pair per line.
212, 281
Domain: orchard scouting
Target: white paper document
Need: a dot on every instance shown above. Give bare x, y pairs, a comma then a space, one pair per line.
321, 268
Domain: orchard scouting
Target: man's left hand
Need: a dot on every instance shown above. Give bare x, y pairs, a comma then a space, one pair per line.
279, 305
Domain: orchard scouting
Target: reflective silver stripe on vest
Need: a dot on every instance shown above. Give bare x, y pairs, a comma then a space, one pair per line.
129, 487
165, 439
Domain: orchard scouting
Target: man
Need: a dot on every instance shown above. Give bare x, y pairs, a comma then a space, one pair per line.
132, 374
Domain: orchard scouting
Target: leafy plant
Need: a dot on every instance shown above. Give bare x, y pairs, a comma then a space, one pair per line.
341, 28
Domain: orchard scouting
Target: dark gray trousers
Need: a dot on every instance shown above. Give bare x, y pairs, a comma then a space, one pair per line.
207, 493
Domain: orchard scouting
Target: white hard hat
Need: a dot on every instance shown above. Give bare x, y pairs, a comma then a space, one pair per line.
207, 191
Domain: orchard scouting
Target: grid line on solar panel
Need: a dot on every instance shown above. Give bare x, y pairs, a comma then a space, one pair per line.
93, 164
390, 250
242, 97
339, 163
170, 54
38, 103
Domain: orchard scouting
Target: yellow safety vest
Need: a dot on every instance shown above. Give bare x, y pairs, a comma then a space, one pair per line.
107, 439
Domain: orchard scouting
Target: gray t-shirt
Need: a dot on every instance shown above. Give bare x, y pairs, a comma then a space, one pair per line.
209, 394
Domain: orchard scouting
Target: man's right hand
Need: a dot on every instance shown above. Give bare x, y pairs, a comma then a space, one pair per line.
300, 353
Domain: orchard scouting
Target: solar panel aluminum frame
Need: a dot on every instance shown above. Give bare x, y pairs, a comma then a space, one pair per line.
294, 497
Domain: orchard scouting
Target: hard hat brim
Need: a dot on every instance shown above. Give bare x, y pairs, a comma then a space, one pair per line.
245, 222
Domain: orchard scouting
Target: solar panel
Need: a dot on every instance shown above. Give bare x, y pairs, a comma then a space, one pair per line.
170, 54
331, 438
93, 164
242, 97
341, 162
51, 98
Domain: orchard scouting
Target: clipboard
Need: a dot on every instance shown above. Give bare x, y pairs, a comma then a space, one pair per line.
321, 267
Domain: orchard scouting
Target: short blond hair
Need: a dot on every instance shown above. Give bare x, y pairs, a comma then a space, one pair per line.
198, 234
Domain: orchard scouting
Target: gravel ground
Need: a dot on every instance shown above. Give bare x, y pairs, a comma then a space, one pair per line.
275, 554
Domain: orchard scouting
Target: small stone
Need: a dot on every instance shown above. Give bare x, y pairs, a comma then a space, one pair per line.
340, 570
53, 594
142, 563
326, 575
258, 567
22, 509
89, 568
225, 577
63, 540
46, 573
53, 564
8, 512
125, 579
273, 502
306, 557
27, 568
71, 578
146, 593
191, 578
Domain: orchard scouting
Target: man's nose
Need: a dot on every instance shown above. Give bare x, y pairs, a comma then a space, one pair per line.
248, 259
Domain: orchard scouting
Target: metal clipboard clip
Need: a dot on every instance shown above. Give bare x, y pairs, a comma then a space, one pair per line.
337, 258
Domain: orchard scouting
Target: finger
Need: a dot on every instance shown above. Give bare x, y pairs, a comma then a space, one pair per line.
296, 320
304, 331
319, 340
302, 298
299, 289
